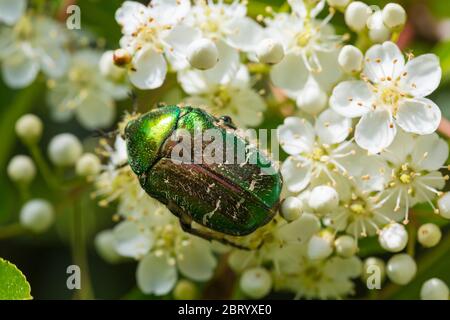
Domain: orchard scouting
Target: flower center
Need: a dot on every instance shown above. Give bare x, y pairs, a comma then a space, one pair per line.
23, 28
303, 38
318, 154
406, 175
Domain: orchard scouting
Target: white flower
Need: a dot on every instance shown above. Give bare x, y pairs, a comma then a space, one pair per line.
393, 237
256, 282
313, 150
64, 149
320, 279
414, 163
144, 31
378, 32
270, 51
203, 54
224, 90
21, 169
350, 59
29, 128
401, 269
32, 44
434, 289
11, 11
225, 22
429, 235
356, 15
291, 208
310, 48
360, 213
85, 92
391, 94
394, 15
323, 199
37, 215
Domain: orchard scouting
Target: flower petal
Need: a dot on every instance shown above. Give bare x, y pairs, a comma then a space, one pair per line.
11, 11
383, 61
247, 34
131, 15
97, 111
421, 116
130, 241
430, 152
400, 149
375, 131
151, 69
169, 11
290, 74
179, 39
196, 260
351, 99
227, 67
296, 173
331, 127
155, 275
422, 75
296, 135
54, 62
19, 70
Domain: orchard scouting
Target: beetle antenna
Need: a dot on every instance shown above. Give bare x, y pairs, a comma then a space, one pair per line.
99, 133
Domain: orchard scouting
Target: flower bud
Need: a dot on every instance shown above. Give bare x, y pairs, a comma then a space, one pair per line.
21, 169
444, 205
323, 199
340, 4
88, 165
350, 59
64, 149
356, 15
313, 99
346, 246
378, 32
291, 208
270, 51
108, 67
434, 289
185, 290
320, 246
394, 15
29, 128
105, 246
203, 54
429, 235
372, 263
401, 269
121, 57
256, 282
37, 215
393, 237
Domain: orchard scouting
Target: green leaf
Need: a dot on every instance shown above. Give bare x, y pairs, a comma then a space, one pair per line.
13, 284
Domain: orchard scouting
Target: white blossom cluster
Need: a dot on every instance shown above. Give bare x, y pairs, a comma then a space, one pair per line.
362, 148
361, 142
80, 81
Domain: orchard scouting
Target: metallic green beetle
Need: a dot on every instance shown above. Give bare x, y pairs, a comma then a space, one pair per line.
226, 199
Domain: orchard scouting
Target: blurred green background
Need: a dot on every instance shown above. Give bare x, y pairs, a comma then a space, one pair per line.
44, 258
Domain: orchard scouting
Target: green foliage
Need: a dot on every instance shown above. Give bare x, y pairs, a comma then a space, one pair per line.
13, 284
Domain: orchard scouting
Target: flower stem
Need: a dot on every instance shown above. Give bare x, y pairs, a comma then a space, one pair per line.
79, 253
44, 168
23, 102
11, 231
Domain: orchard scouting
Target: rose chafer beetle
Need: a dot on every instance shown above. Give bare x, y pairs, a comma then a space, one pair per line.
225, 199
